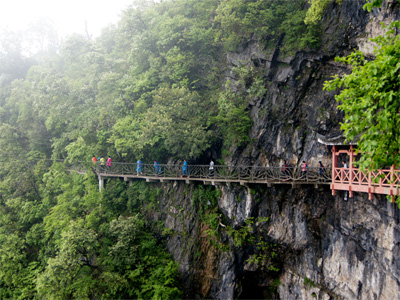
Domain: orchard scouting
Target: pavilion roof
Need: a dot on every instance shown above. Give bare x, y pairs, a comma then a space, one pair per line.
335, 139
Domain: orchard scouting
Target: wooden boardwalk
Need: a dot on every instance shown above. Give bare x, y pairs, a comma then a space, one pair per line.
351, 179
219, 175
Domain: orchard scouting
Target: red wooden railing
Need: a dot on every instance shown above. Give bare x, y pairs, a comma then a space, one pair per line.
385, 182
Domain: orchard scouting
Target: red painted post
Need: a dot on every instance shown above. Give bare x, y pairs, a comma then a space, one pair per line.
392, 183
369, 186
334, 164
351, 165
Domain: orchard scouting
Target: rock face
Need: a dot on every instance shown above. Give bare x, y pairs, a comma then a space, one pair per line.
326, 247
314, 245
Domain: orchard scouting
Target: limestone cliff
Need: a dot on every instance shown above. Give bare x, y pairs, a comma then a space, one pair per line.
323, 246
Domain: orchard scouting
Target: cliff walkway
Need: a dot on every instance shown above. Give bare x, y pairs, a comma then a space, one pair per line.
350, 179
219, 175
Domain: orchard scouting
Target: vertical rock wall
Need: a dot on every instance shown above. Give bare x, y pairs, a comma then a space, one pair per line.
327, 248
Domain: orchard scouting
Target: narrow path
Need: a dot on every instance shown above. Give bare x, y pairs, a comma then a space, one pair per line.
218, 175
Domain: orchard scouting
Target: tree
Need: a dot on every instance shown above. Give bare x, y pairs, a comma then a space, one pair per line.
370, 98
71, 274
13, 63
178, 117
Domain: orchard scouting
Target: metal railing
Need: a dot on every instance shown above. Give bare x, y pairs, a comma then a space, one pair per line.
228, 173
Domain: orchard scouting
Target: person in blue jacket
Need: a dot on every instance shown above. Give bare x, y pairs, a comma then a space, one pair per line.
157, 168
139, 167
185, 170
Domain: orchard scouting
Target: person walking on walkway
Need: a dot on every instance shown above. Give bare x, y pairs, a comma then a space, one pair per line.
211, 169
108, 164
102, 163
321, 170
185, 170
139, 167
94, 160
157, 168
345, 170
304, 168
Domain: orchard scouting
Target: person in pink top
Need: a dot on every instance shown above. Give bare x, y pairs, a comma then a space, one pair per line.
108, 164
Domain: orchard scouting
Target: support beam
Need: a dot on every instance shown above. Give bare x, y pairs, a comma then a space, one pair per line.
151, 180
101, 182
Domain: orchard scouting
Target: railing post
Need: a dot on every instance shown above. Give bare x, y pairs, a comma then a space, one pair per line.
391, 192
351, 165
334, 165
369, 185
351, 171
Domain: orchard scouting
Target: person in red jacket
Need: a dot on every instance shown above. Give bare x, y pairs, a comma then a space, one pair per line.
304, 167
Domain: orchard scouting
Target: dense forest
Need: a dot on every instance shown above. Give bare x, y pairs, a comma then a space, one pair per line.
154, 86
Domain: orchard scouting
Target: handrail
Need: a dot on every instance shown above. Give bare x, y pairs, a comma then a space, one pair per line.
381, 178
232, 173
384, 181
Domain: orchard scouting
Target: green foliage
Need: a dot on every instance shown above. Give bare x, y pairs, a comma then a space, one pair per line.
265, 255
316, 10
268, 20
369, 97
308, 282
233, 120
244, 234
61, 239
372, 3
152, 87
203, 199
178, 118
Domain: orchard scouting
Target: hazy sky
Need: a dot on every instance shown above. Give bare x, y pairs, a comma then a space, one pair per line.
69, 16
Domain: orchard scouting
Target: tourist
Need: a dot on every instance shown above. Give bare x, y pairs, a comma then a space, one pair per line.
139, 167
108, 164
157, 168
185, 171
211, 169
321, 170
304, 168
102, 162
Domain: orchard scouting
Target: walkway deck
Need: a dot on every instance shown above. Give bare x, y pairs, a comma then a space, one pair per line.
219, 175
351, 179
